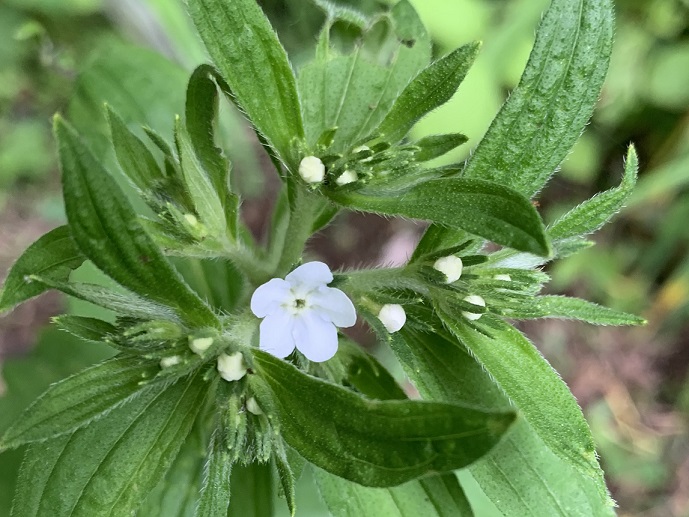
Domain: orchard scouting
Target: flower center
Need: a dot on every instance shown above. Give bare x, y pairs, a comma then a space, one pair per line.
299, 303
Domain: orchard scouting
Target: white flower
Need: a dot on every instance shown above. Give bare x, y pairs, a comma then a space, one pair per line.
392, 316
348, 176
451, 266
302, 311
231, 367
476, 300
312, 169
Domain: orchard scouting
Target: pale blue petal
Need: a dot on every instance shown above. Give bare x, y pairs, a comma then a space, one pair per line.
310, 274
276, 334
335, 304
315, 337
268, 297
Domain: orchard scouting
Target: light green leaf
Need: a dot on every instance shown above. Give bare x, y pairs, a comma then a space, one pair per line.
370, 442
434, 146
89, 329
565, 307
536, 389
215, 495
485, 209
80, 399
247, 52
53, 256
109, 467
545, 114
594, 213
107, 231
252, 489
433, 87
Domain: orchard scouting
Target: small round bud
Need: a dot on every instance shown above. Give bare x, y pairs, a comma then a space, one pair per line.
312, 169
253, 407
451, 266
392, 316
476, 300
346, 177
166, 362
231, 367
503, 277
200, 344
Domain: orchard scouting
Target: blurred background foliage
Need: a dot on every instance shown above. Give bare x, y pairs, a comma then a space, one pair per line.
73, 55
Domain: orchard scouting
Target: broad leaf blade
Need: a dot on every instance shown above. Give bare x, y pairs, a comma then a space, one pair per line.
485, 209
545, 114
373, 443
107, 231
53, 256
248, 54
250, 484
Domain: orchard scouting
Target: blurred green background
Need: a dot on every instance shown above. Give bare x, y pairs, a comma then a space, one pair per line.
72, 55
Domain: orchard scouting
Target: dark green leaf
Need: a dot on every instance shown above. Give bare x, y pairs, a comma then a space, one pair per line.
594, 213
248, 54
435, 146
215, 495
53, 256
433, 87
370, 442
287, 481
78, 400
565, 307
252, 489
545, 114
109, 467
485, 209
89, 329
107, 231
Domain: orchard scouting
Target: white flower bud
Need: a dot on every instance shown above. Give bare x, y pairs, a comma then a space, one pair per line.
346, 177
231, 367
392, 316
451, 266
253, 407
476, 300
200, 345
503, 277
166, 362
312, 169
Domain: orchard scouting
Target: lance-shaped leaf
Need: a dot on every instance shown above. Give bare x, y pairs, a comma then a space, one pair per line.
594, 213
536, 389
106, 229
434, 146
88, 329
433, 87
248, 54
110, 466
545, 114
250, 484
370, 442
215, 494
565, 307
80, 399
485, 209
53, 256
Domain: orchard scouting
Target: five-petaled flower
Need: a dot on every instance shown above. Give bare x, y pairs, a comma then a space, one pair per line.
302, 311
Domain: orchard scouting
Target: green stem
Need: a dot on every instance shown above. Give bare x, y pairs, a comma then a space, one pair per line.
301, 219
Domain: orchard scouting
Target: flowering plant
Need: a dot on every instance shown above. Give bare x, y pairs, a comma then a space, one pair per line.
262, 382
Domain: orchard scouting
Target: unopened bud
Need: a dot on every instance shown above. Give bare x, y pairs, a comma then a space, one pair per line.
347, 177
253, 407
231, 367
475, 300
200, 344
166, 362
503, 277
312, 169
451, 266
393, 317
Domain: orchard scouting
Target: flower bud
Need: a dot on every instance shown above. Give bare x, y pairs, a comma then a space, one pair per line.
392, 316
476, 300
200, 345
503, 277
231, 367
347, 177
166, 362
253, 407
451, 266
312, 169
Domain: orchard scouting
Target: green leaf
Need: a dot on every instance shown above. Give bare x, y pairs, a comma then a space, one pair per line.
109, 467
80, 399
354, 92
287, 480
107, 231
215, 495
252, 486
485, 209
436, 496
370, 442
89, 329
521, 463
536, 389
566, 307
247, 52
53, 256
433, 87
435, 146
546, 113
594, 213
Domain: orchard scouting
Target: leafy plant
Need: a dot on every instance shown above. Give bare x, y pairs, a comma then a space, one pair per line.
123, 436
